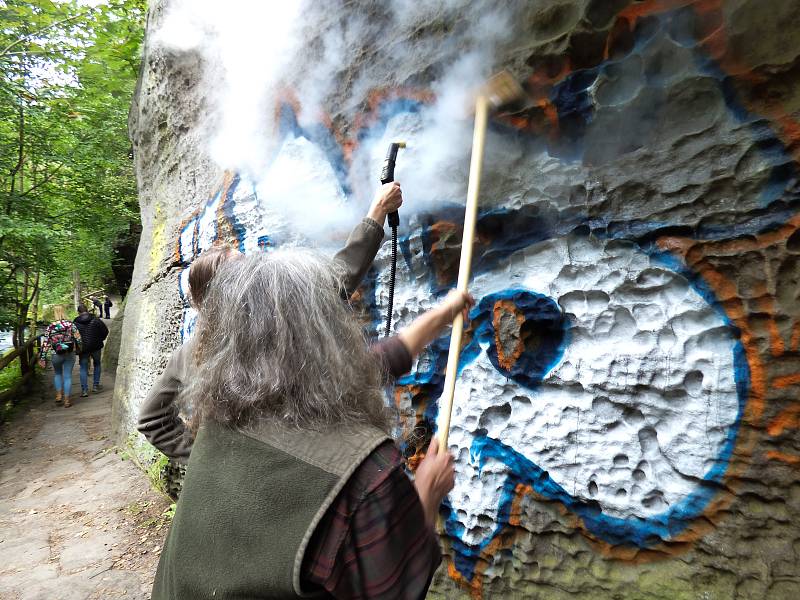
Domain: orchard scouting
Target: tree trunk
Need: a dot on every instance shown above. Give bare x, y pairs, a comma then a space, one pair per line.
35, 302
22, 320
17, 169
22, 308
76, 280
21, 148
15, 341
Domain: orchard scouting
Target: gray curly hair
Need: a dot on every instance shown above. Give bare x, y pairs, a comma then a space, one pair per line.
276, 340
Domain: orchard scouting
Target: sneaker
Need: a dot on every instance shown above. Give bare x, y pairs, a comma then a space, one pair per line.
97, 387
84, 393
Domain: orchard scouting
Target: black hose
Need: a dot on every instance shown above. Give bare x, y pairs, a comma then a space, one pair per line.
389, 310
387, 175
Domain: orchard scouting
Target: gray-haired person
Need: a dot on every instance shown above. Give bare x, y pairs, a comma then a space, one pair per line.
294, 485
159, 419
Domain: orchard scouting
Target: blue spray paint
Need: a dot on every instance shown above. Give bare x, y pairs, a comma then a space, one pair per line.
543, 333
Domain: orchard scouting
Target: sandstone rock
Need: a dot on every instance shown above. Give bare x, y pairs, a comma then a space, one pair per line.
626, 418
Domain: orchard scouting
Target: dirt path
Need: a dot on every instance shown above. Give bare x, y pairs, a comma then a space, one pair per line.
76, 520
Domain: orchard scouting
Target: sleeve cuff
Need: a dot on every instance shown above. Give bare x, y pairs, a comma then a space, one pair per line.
394, 355
373, 226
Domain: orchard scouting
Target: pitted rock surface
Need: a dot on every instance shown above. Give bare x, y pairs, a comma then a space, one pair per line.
626, 415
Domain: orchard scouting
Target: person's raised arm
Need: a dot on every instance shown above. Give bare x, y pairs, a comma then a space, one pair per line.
361, 247
388, 199
429, 326
397, 353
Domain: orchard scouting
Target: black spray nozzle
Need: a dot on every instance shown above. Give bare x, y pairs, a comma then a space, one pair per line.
387, 175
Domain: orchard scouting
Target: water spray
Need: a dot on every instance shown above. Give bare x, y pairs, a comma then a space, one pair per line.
387, 176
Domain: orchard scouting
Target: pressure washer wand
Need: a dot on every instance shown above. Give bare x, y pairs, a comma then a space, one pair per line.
387, 176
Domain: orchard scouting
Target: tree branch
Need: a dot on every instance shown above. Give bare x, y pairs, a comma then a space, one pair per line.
7, 49
47, 179
35, 289
13, 273
18, 166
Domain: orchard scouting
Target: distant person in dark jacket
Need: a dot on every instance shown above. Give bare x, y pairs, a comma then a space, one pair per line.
99, 306
108, 304
93, 333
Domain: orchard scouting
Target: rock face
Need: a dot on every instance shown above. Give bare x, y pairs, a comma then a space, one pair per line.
113, 342
625, 421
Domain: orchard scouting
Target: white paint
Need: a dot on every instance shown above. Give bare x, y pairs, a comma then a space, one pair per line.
639, 339
207, 224
189, 318
186, 241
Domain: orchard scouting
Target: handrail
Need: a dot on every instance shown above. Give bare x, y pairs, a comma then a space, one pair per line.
9, 357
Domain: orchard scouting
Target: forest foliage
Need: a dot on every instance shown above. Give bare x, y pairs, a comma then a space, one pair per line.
67, 185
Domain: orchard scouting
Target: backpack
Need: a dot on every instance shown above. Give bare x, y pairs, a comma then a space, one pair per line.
60, 335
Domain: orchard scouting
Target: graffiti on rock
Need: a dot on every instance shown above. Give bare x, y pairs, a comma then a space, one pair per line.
609, 365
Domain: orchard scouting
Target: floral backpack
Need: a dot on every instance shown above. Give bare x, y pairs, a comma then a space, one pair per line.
60, 336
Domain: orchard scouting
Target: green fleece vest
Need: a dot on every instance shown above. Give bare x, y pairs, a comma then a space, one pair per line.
249, 505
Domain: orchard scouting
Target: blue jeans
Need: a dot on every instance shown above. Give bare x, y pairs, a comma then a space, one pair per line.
62, 365
84, 362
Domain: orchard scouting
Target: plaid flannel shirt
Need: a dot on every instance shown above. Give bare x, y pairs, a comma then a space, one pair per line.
373, 541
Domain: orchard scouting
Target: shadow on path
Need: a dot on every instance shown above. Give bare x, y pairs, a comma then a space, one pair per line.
76, 520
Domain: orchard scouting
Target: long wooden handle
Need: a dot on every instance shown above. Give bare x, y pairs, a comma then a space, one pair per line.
470, 218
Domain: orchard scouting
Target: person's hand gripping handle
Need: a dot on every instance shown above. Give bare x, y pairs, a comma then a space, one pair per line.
435, 477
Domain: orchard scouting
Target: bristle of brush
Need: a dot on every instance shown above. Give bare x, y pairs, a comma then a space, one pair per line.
502, 89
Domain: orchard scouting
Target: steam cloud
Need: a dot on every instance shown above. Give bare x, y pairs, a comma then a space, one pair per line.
331, 56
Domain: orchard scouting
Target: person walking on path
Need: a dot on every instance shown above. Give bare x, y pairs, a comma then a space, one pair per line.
107, 304
61, 341
98, 305
93, 333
